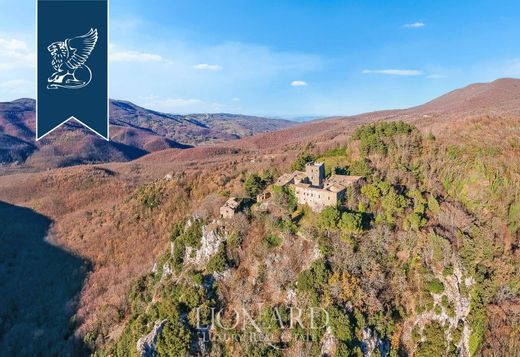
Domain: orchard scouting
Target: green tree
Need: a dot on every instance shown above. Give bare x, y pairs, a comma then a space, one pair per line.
267, 177
254, 185
314, 278
393, 204
174, 340
302, 159
219, 261
329, 218
340, 324
360, 168
351, 222
372, 192
414, 221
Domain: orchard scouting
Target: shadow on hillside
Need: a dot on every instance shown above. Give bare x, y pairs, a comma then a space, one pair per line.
38, 284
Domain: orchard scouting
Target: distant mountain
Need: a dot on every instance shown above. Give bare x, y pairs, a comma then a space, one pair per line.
499, 96
134, 132
302, 118
192, 129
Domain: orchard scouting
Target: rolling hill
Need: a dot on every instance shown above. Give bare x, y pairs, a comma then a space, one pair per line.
122, 217
135, 131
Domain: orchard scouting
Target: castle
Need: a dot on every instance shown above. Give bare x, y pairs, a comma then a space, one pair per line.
311, 187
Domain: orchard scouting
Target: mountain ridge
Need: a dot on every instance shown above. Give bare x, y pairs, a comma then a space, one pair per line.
134, 132
435, 114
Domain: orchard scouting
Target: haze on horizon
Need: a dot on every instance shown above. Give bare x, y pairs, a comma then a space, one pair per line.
285, 59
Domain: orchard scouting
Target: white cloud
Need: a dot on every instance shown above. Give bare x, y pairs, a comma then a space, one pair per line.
247, 67
17, 88
15, 83
235, 99
394, 72
12, 44
208, 67
174, 105
415, 25
298, 83
435, 76
133, 56
15, 54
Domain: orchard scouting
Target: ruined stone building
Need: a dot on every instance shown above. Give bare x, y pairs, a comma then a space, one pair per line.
229, 208
311, 187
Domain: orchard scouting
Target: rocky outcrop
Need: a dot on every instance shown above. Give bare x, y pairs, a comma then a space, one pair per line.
146, 345
454, 286
372, 343
209, 245
328, 343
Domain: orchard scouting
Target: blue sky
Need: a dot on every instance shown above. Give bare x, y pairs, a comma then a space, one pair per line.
285, 58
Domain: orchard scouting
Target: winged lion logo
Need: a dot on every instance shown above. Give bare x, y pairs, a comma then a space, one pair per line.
68, 60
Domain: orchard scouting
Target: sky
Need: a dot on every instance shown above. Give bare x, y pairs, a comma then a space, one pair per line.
284, 58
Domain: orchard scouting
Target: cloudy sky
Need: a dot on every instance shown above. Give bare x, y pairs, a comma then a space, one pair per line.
284, 58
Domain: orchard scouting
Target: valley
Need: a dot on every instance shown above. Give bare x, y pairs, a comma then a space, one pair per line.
135, 131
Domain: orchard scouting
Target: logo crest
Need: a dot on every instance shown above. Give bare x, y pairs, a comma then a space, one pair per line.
68, 60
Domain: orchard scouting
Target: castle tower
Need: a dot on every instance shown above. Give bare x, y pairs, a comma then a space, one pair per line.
316, 173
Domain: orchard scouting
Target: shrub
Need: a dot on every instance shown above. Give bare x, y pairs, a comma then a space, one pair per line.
434, 343
150, 196
267, 177
219, 261
273, 240
447, 271
435, 286
187, 237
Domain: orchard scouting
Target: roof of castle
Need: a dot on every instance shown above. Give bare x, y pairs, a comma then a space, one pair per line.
336, 183
343, 180
284, 179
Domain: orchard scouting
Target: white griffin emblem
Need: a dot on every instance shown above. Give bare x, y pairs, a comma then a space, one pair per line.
68, 61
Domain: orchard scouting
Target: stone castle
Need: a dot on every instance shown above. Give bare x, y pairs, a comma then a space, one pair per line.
311, 187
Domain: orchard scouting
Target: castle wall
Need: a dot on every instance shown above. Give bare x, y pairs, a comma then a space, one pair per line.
317, 199
227, 212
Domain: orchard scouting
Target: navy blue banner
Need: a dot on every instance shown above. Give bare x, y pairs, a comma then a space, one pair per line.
72, 68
